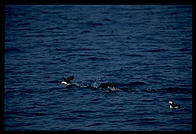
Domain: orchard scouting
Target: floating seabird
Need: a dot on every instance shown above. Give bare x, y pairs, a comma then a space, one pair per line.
172, 105
67, 80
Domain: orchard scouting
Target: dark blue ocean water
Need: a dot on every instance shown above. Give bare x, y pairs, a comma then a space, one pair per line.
145, 49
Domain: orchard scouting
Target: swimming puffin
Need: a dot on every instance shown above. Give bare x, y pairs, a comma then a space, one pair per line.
172, 105
67, 80
111, 86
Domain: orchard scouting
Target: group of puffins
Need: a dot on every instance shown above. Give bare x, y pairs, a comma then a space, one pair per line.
112, 87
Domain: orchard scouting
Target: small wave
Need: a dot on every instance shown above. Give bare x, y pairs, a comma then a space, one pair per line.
19, 113
71, 38
53, 81
39, 114
107, 19
85, 31
96, 58
67, 118
134, 55
137, 83
93, 24
23, 24
10, 40
88, 49
130, 120
147, 100
82, 111
184, 49
30, 107
26, 90
23, 29
170, 90
156, 50
85, 54
67, 50
94, 124
53, 89
12, 50
148, 119
75, 49
11, 92
10, 70
53, 28
95, 99
127, 86
14, 112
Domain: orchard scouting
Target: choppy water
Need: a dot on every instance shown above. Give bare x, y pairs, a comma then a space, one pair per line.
145, 49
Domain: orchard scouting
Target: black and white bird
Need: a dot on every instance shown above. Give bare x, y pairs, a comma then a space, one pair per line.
110, 86
67, 80
172, 105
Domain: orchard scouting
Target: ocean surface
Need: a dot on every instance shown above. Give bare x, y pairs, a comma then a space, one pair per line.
145, 49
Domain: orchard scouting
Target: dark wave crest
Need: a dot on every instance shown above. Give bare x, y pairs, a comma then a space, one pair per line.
169, 90
12, 50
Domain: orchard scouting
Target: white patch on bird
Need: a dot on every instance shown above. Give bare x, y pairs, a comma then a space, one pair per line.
170, 102
112, 88
176, 106
170, 106
63, 82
